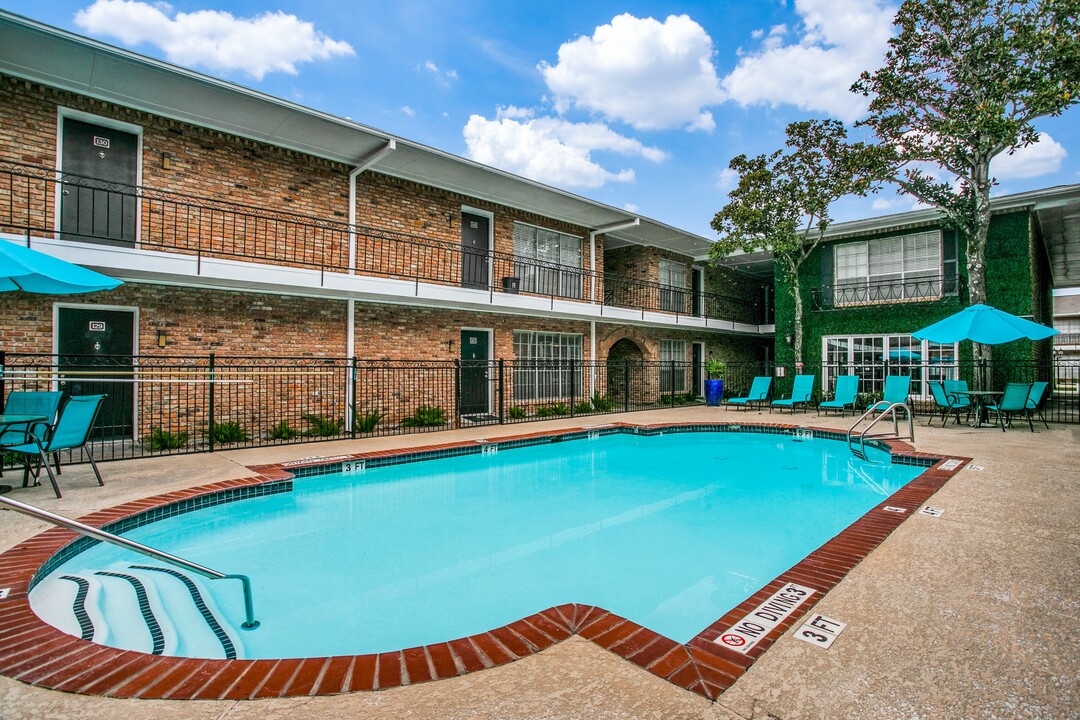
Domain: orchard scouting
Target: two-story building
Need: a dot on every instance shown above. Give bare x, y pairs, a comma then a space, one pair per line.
243, 224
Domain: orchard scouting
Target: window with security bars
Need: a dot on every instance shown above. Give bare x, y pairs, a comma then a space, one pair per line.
549, 261
673, 293
871, 357
672, 366
546, 366
905, 267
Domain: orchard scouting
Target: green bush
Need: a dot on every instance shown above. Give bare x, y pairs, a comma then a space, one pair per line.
602, 403
159, 439
324, 426
583, 407
366, 422
283, 431
560, 409
518, 413
228, 432
545, 411
426, 416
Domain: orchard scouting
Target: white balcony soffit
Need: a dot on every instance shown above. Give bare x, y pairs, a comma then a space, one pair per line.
43, 54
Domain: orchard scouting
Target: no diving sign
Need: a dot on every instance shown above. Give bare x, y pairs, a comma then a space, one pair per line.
746, 633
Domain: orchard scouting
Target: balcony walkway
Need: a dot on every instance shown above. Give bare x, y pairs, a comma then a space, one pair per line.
971, 614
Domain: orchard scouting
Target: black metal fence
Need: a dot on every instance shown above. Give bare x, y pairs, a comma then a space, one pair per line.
184, 404
873, 292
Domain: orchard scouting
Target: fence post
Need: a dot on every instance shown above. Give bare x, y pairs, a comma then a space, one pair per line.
352, 403
672, 390
626, 386
210, 431
502, 404
457, 393
573, 393
3, 374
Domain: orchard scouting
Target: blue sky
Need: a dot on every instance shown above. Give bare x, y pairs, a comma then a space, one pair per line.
640, 105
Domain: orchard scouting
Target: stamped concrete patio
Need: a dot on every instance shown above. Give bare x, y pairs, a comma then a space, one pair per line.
969, 615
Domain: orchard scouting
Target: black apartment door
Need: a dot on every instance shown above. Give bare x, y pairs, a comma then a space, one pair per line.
97, 198
474, 372
475, 230
96, 349
698, 366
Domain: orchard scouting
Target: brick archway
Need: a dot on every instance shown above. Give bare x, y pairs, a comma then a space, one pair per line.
647, 349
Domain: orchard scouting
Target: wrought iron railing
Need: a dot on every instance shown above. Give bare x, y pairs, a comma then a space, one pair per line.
1067, 339
37, 201
873, 292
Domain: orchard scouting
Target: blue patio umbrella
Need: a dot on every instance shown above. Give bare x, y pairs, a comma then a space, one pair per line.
22, 268
983, 324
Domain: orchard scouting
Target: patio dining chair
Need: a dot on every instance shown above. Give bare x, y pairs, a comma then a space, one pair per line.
72, 432
1036, 397
1013, 401
22, 402
800, 394
947, 403
759, 393
847, 388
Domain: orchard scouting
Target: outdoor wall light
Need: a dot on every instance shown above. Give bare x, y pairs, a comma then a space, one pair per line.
161, 338
787, 339
166, 160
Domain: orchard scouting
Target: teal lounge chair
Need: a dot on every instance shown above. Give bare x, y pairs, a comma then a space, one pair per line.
800, 394
72, 431
947, 403
759, 393
1013, 402
847, 387
1035, 399
897, 389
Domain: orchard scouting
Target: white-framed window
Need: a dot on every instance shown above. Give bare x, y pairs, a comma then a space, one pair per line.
865, 356
904, 267
547, 365
552, 261
673, 288
672, 365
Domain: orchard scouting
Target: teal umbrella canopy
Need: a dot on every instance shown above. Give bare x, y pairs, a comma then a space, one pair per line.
22, 268
983, 324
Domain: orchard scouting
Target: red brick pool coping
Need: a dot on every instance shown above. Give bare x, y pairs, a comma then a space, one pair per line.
37, 653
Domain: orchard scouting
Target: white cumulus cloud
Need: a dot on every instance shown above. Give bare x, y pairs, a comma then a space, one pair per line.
650, 74
836, 41
552, 150
214, 39
1041, 158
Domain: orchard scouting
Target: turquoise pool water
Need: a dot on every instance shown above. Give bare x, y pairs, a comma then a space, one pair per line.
670, 531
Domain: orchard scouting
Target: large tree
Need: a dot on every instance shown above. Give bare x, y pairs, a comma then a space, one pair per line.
781, 202
960, 85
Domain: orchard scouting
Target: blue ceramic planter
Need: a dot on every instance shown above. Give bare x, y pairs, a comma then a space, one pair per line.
714, 391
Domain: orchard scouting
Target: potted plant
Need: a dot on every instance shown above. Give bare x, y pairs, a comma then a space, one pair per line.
714, 381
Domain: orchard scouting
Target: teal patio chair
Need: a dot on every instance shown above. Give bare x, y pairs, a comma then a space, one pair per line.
897, 389
957, 392
759, 393
72, 431
1013, 401
947, 403
20, 402
847, 388
800, 394
1035, 399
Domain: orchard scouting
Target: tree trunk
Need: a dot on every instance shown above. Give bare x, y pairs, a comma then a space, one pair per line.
976, 249
796, 290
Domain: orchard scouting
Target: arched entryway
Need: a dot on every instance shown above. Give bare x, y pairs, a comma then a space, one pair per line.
623, 362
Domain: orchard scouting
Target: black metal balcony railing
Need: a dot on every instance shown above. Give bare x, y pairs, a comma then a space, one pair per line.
863, 292
98, 211
1067, 339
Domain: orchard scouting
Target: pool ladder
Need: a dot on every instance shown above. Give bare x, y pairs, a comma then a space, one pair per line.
250, 623
857, 441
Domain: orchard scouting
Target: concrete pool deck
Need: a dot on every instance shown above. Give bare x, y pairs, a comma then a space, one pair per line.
972, 614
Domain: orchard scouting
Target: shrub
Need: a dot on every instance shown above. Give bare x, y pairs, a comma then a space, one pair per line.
159, 439
426, 416
366, 422
545, 411
602, 403
560, 409
583, 407
323, 426
518, 413
228, 432
283, 431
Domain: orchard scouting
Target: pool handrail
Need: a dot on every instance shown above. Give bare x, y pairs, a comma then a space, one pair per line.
889, 412
250, 623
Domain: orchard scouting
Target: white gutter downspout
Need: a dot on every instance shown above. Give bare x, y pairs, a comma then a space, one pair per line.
350, 305
622, 225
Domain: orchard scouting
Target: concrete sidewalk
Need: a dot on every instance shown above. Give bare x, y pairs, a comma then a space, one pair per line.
969, 615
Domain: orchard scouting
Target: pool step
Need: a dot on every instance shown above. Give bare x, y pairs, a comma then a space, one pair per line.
152, 609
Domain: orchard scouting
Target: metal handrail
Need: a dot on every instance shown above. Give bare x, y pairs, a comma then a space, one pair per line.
250, 622
890, 411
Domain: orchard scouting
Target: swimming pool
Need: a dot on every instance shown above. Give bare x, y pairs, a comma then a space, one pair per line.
670, 531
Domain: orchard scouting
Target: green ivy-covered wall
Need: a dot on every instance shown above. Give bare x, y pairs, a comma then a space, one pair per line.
1014, 284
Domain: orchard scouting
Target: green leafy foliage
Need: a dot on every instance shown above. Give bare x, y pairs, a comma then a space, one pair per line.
715, 369
518, 413
602, 403
366, 422
228, 432
560, 409
583, 407
159, 439
324, 426
283, 431
426, 416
